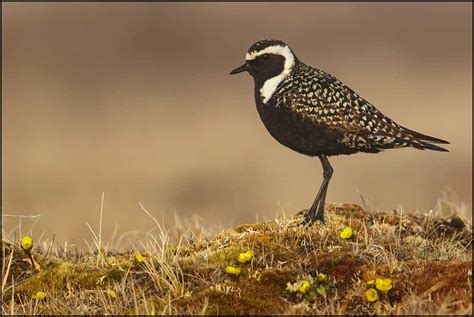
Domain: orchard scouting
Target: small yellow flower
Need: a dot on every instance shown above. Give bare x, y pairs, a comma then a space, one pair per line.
245, 257
233, 270
304, 287
40, 295
383, 284
346, 233
26, 243
322, 277
371, 295
371, 283
111, 293
138, 257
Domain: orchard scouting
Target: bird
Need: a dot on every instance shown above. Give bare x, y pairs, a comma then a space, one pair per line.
313, 113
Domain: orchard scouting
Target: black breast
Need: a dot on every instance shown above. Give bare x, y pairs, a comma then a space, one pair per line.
292, 124
299, 134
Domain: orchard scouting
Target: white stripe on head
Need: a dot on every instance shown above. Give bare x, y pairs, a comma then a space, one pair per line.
269, 87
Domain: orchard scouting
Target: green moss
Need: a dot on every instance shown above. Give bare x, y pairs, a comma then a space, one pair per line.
255, 227
270, 244
225, 256
89, 278
51, 279
58, 276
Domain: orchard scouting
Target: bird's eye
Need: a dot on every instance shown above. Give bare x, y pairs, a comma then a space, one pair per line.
263, 58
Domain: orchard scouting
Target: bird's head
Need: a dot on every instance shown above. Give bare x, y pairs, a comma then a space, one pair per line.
268, 61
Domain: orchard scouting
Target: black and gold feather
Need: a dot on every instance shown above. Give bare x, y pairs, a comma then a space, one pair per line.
317, 114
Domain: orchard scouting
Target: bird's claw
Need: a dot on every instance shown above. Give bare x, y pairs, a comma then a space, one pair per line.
309, 219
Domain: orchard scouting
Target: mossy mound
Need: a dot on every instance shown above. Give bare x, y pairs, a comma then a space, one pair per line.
427, 259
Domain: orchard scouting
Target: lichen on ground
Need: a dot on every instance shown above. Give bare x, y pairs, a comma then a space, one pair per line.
428, 260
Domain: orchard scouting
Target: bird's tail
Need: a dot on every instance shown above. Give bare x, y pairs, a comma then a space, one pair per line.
425, 142
424, 137
430, 146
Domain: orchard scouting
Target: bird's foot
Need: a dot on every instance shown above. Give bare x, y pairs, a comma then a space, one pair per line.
311, 217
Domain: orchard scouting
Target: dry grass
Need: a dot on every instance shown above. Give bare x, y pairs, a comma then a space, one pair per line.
428, 258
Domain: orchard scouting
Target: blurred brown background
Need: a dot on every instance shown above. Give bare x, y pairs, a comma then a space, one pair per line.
135, 100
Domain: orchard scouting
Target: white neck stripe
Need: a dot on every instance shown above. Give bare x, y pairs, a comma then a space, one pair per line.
270, 85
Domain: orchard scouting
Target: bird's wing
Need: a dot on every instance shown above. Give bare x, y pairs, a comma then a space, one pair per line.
328, 102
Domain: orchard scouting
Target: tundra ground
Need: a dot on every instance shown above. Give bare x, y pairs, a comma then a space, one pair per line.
276, 267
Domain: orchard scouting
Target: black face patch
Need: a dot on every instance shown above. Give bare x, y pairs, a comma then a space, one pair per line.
266, 66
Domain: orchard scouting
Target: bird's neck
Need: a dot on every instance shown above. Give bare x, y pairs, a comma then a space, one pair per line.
265, 87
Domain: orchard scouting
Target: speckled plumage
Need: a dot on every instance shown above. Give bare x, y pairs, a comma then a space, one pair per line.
313, 113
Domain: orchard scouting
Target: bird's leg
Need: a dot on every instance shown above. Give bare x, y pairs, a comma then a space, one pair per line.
316, 212
327, 174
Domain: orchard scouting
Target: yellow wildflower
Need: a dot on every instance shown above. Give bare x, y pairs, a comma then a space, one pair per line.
233, 270
26, 243
40, 295
346, 233
138, 257
371, 295
304, 287
111, 293
322, 277
383, 284
371, 283
245, 257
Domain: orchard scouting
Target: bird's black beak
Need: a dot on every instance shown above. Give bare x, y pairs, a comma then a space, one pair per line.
243, 68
